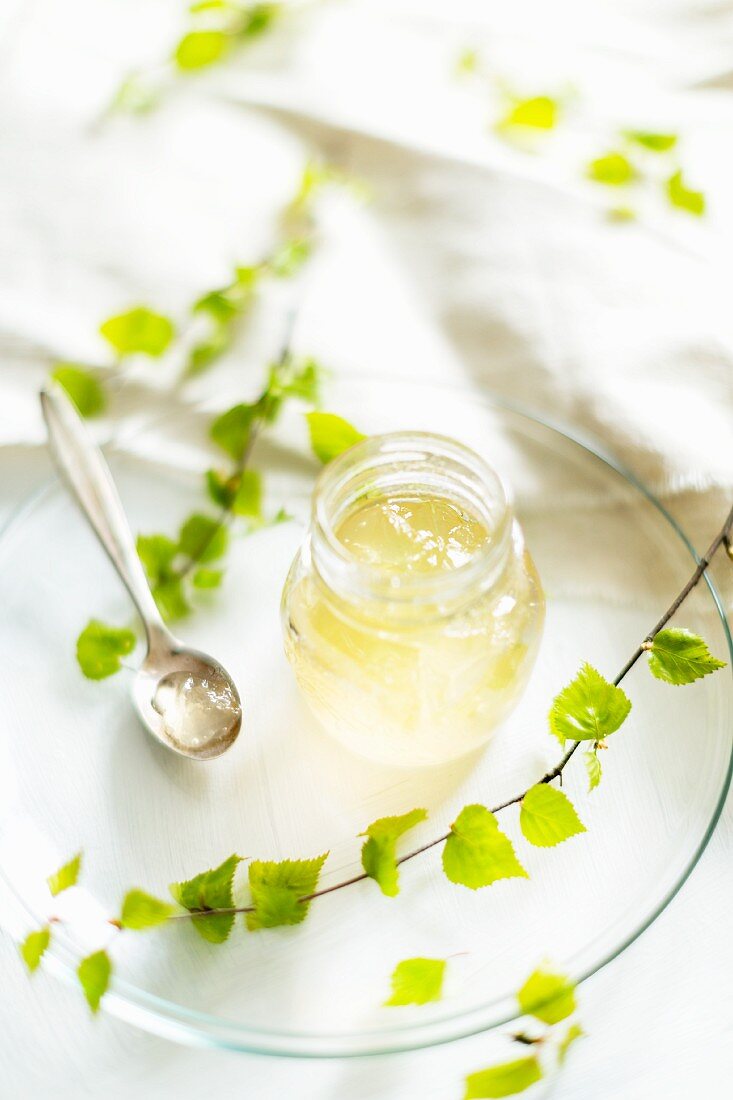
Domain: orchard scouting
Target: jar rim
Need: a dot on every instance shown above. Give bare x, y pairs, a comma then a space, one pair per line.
458, 468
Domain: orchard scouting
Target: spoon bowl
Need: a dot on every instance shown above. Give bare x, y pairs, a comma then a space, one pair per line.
188, 701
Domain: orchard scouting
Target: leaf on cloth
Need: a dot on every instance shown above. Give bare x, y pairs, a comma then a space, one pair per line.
82, 386
330, 435
138, 331
683, 197
612, 169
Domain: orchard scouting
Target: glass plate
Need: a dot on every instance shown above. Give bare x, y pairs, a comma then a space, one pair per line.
78, 771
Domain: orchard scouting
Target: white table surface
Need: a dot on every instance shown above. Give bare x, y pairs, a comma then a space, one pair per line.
88, 223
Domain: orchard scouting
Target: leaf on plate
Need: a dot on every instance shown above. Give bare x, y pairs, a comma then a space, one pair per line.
589, 708
379, 851
99, 648
547, 816
141, 911
477, 852
209, 890
678, 656
506, 1079
82, 386
138, 331
417, 981
33, 947
593, 767
547, 996
330, 435
94, 973
66, 876
277, 889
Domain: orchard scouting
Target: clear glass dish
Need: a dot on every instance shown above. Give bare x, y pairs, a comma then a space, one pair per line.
77, 770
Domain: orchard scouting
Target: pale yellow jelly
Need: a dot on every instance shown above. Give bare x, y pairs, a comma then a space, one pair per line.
430, 685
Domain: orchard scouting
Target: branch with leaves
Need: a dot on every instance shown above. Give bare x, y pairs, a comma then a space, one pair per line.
475, 853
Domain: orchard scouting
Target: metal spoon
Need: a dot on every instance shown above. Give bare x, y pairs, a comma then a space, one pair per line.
168, 665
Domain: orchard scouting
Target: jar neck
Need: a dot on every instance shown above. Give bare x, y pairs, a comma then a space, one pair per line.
405, 464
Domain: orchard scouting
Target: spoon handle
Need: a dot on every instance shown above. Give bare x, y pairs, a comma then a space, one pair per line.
87, 475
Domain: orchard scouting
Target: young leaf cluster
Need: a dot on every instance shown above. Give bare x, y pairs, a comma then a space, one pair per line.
642, 156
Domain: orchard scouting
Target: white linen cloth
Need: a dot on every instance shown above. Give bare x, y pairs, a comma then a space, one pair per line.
474, 262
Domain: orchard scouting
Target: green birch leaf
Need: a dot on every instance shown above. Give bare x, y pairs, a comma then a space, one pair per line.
82, 386
290, 258
209, 890
506, 1079
299, 377
198, 49
547, 996
683, 197
33, 947
94, 973
156, 552
221, 487
139, 331
417, 981
678, 656
208, 351
207, 578
547, 816
379, 852
99, 648
141, 911
574, 1032
593, 767
66, 876
247, 500
276, 890
589, 708
539, 113
656, 143
477, 853
260, 18
330, 435
171, 599
231, 430
203, 538
612, 169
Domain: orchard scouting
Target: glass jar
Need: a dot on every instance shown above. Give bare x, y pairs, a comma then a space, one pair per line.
412, 613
